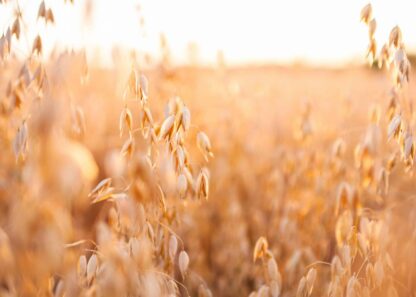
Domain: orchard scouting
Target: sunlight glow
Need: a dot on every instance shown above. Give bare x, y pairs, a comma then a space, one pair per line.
317, 32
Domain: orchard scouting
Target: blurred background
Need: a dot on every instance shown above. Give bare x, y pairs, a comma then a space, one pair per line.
313, 150
321, 32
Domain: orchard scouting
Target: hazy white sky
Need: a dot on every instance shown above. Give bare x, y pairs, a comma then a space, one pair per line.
318, 31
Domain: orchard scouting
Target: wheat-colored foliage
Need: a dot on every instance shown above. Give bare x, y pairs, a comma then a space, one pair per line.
284, 181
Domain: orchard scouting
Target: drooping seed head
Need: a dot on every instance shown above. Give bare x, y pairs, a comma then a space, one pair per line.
202, 185
204, 145
183, 263
395, 37
366, 13
310, 280
126, 120
260, 248
372, 26
167, 127
186, 118
42, 10
173, 247
181, 185
37, 45
92, 268
49, 17
16, 28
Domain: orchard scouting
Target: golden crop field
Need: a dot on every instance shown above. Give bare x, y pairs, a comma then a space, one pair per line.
205, 181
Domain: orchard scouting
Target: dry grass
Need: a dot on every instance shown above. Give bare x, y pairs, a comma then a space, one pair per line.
264, 181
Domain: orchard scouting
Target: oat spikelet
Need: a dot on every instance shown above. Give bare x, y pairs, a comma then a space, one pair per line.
20, 142
173, 247
126, 120
202, 184
78, 120
366, 13
272, 269
310, 280
260, 248
186, 118
49, 17
92, 267
302, 288
128, 147
204, 145
183, 263
181, 185
16, 28
167, 127
82, 266
395, 37
42, 10
394, 127
37, 45
101, 187
372, 26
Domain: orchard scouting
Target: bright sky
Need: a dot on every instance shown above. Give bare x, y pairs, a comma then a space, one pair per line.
248, 31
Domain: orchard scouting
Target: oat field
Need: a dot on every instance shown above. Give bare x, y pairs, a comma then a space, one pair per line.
165, 180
